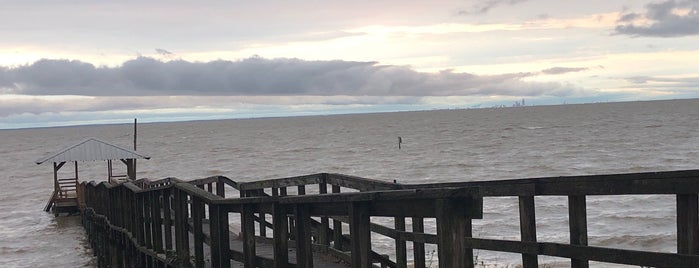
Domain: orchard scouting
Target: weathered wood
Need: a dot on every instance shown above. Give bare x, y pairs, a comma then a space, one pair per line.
401, 246
181, 233
198, 214
220, 252
418, 247
248, 233
157, 221
337, 226
527, 227
281, 237
360, 234
687, 224
302, 234
167, 218
577, 219
451, 232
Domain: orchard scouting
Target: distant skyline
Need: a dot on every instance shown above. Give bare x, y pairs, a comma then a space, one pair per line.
87, 62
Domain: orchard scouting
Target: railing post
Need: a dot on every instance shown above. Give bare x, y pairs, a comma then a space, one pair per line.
324, 222
181, 233
281, 236
157, 221
337, 226
360, 234
167, 218
220, 246
527, 228
220, 190
451, 231
302, 232
197, 217
687, 224
418, 248
401, 246
577, 220
248, 232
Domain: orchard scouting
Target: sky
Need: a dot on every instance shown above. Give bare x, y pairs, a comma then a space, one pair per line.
89, 62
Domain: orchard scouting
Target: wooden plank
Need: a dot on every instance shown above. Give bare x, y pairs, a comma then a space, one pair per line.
248, 234
323, 232
167, 218
157, 222
302, 234
337, 225
281, 237
418, 247
181, 234
401, 245
197, 217
527, 227
687, 224
577, 219
451, 232
620, 256
220, 252
360, 235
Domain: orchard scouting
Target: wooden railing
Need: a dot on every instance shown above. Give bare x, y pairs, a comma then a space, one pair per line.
175, 223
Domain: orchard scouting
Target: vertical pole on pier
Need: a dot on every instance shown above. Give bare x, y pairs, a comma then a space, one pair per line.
401, 247
687, 224
281, 236
157, 223
577, 220
198, 214
248, 230
135, 138
418, 248
304, 250
323, 234
181, 223
220, 190
360, 234
220, 245
527, 227
167, 219
451, 231
337, 226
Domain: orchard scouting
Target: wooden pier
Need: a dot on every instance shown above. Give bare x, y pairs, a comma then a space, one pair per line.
302, 221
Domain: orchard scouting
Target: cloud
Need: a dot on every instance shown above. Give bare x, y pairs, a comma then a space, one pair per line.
563, 70
663, 19
256, 76
485, 6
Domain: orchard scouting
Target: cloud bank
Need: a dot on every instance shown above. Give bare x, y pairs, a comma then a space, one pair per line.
663, 19
258, 76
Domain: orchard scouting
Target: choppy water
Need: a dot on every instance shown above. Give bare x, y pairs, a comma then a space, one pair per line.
438, 146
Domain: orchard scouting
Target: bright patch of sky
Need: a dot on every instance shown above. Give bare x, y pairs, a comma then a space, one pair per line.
77, 62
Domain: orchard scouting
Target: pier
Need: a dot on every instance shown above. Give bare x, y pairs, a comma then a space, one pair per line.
325, 220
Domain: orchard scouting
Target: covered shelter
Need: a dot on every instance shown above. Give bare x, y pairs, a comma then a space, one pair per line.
66, 196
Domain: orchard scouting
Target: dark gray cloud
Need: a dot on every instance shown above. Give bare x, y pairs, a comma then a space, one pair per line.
258, 76
667, 19
483, 7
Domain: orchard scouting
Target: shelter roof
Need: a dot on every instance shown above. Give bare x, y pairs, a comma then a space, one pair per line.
91, 150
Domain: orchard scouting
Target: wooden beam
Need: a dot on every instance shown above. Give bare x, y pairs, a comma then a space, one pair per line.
687, 224
360, 234
302, 234
577, 219
527, 227
451, 232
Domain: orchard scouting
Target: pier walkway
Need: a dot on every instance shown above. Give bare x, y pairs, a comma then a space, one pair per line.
327, 220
